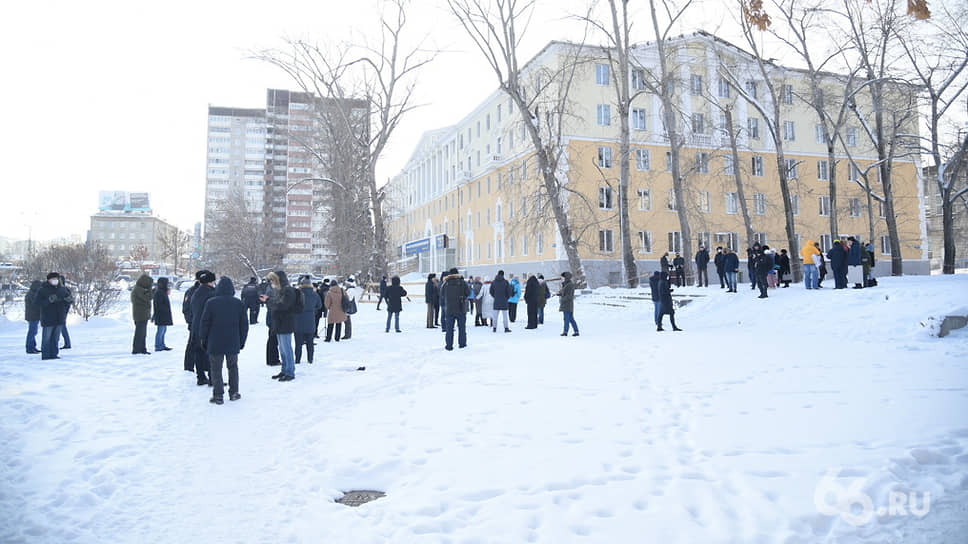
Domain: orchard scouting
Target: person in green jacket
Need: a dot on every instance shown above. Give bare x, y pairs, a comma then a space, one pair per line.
141, 312
566, 303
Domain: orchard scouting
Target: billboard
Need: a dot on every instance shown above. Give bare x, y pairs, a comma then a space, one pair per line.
123, 201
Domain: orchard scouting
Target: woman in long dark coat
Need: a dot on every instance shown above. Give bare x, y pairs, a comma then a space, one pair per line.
533, 295
162, 314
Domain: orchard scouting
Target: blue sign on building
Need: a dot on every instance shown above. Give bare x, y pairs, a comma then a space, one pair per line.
417, 246
441, 241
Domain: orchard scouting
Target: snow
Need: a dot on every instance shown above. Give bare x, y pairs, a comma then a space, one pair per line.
721, 433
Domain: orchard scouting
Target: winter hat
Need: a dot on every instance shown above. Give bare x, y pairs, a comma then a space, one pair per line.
305, 281
206, 277
53, 276
350, 280
453, 271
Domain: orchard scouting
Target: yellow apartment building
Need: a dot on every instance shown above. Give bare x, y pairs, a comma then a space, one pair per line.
470, 195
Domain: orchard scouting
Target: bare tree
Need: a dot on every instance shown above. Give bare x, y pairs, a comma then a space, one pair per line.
237, 230
90, 271
384, 76
139, 254
939, 61
873, 27
496, 27
738, 174
174, 245
770, 108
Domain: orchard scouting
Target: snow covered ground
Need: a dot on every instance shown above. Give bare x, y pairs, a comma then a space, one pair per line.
740, 429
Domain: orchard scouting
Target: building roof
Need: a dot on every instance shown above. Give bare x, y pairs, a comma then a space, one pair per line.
236, 112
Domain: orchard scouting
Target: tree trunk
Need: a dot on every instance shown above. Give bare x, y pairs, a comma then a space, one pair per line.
832, 188
738, 175
948, 226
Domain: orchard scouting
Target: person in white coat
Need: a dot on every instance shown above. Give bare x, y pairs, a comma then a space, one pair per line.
353, 292
487, 303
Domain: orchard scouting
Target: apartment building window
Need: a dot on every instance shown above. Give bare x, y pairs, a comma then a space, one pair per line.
698, 123
602, 74
639, 119
702, 162
754, 127
757, 165
524, 205
524, 244
499, 213
510, 247
751, 88
881, 209
795, 204
823, 173
487, 122
788, 94
478, 189
487, 216
820, 133
729, 166
696, 85
759, 203
675, 242
668, 161
638, 80
478, 131
723, 88
824, 205
478, 157
853, 172
510, 175
605, 241
605, 198
645, 241
524, 169
671, 201
643, 159
704, 201
727, 239
791, 168
761, 238
702, 239
854, 205
488, 184
540, 243
604, 156
488, 250
885, 245
510, 139
732, 203
789, 131
826, 242
604, 115
852, 136
645, 199
510, 210
499, 107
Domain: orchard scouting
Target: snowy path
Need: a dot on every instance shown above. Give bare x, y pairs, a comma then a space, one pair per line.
721, 433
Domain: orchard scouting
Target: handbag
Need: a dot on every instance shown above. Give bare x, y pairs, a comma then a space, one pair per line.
349, 305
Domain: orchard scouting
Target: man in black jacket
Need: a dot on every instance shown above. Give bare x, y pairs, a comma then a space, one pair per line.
702, 261
32, 315
250, 299
383, 292
284, 302
454, 292
838, 264
656, 299
500, 291
665, 301
222, 332
718, 260
430, 297
205, 291
764, 265
187, 314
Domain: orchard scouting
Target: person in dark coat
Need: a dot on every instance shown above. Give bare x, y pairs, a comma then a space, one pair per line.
656, 298
665, 301
161, 315
702, 262
855, 263
679, 263
441, 307
731, 267
250, 299
752, 254
783, 264
306, 320
52, 300
533, 292
822, 267
222, 331
141, 313
394, 296
322, 290
838, 264
430, 297
501, 291
664, 262
205, 291
62, 281
454, 292
383, 294
283, 301
764, 264
187, 315
32, 316
718, 260
543, 301
566, 303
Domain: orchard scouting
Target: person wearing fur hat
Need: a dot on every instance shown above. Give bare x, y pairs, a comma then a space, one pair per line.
453, 293
306, 320
205, 291
352, 293
284, 303
52, 299
141, 313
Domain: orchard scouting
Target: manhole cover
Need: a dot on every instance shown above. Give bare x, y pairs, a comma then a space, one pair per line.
356, 498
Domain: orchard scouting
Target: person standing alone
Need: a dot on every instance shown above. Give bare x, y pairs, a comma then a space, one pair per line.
393, 295
566, 302
702, 262
162, 314
53, 300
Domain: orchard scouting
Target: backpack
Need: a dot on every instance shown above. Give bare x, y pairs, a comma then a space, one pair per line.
349, 306
300, 304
